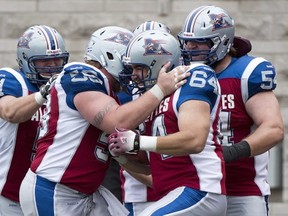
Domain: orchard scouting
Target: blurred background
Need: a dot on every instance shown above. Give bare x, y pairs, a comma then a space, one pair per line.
263, 22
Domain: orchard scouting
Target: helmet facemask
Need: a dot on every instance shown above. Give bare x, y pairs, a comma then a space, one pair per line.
41, 72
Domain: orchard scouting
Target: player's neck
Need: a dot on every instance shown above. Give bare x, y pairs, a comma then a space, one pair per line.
223, 64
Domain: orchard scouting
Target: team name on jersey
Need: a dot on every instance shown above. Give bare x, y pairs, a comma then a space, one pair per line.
163, 107
38, 115
228, 101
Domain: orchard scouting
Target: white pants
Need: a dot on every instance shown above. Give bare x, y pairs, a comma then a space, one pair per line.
247, 206
39, 196
9, 207
184, 201
136, 208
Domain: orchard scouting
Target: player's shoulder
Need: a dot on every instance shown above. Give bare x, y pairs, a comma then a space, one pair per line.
200, 66
251, 64
12, 76
6, 71
85, 69
13, 82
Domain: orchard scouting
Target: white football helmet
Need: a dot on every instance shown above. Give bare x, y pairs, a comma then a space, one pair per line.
151, 50
150, 25
107, 46
209, 24
40, 42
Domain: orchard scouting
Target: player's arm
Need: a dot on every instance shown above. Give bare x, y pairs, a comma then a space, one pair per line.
103, 112
262, 106
264, 109
193, 123
144, 179
20, 109
140, 170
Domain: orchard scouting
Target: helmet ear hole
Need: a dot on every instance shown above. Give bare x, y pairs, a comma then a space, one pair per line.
110, 56
226, 42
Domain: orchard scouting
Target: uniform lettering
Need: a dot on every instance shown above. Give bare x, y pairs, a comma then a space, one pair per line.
228, 102
163, 107
37, 116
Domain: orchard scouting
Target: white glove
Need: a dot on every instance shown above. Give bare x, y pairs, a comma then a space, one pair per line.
123, 141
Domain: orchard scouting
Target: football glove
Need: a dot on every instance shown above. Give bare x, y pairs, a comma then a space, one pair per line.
123, 141
46, 88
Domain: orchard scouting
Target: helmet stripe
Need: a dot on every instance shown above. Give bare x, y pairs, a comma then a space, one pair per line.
148, 25
191, 18
52, 43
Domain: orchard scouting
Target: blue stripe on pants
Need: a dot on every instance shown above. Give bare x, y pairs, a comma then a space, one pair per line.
44, 195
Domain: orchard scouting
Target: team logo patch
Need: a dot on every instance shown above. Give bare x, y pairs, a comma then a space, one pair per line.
218, 21
24, 40
154, 47
121, 38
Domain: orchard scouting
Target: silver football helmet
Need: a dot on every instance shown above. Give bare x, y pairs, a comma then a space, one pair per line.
211, 25
149, 50
150, 25
41, 42
107, 46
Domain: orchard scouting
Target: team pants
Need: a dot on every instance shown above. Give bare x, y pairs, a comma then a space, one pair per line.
39, 196
9, 207
136, 208
247, 206
186, 201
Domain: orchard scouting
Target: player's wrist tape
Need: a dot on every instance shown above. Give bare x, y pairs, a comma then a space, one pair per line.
39, 98
148, 143
121, 159
157, 92
237, 151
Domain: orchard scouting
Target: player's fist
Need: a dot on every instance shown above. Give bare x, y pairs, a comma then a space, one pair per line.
123, 141
46, 88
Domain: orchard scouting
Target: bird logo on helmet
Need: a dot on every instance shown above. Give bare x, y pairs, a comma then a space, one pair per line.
121, 38
219, 22
24, 40
153, 47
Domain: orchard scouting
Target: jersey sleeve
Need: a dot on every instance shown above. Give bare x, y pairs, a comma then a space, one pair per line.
10, 83
81, 78
258, 78
201, 85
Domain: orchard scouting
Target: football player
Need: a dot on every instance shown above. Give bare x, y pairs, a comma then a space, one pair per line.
249, 128
181, 134
41, 55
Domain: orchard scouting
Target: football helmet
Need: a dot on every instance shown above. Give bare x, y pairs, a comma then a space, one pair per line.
41, 42
211, 25
150, 25
149, 50
107, 46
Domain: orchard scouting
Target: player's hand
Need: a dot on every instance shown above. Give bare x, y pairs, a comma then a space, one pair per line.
123, 141
172, 80
46, 88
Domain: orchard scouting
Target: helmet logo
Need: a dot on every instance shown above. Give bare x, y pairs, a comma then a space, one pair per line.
154, 47
24, 40
121, 38
219, 22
